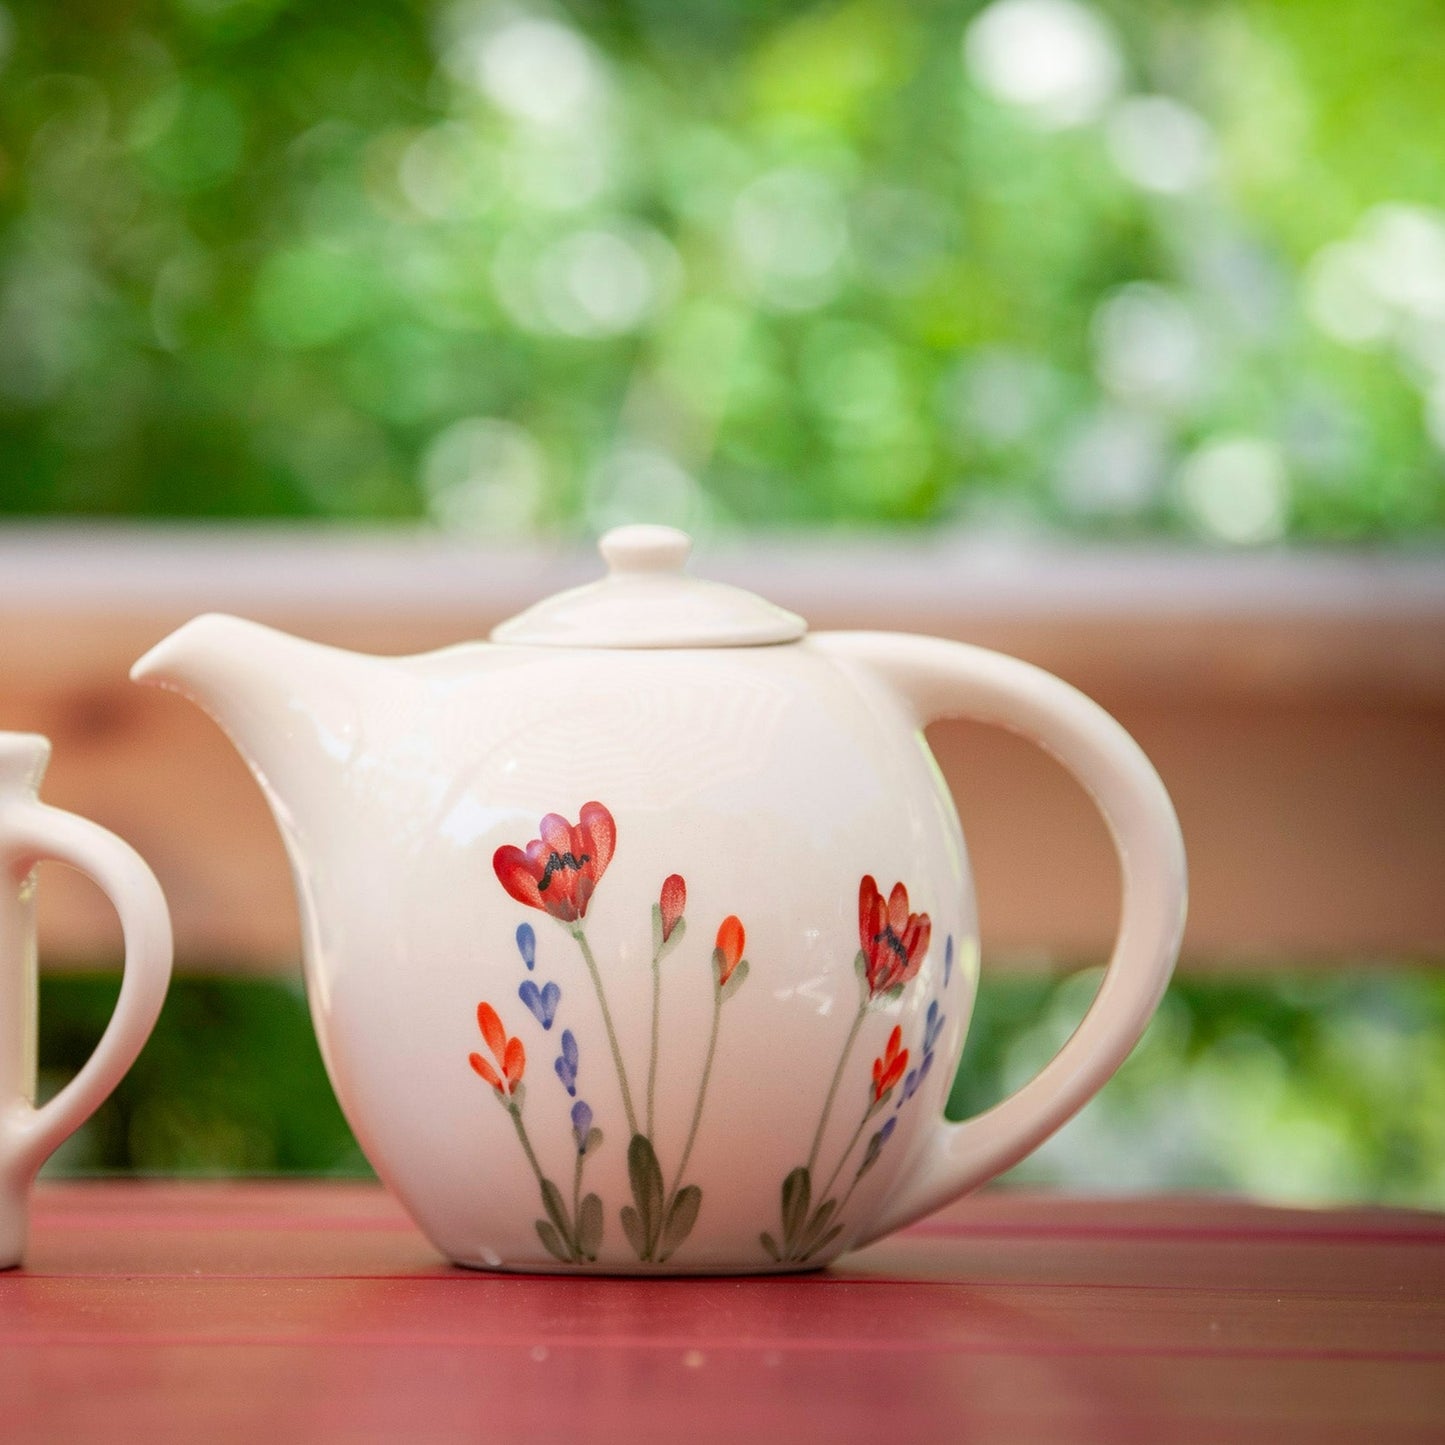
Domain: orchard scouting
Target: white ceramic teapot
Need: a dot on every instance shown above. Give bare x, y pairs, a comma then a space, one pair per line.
642, 939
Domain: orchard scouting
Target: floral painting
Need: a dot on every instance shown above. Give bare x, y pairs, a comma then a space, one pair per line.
892, 944
557, 873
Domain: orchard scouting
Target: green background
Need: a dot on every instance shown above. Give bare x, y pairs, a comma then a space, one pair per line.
726, 263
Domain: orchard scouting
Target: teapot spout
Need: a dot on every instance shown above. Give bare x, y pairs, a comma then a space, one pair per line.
287, 704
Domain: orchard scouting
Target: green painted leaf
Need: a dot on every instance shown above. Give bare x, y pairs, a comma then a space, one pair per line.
870, 1155
556, 1209
817, 1224
594, 1141
632, 1228
826, 1240
519, 1094
733, 984
773, 1253
680, 1219
552, 1243
645, 1175
797, 1195
589, 1228
661, 946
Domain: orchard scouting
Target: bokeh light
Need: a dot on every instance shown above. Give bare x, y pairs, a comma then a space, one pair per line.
1056, 60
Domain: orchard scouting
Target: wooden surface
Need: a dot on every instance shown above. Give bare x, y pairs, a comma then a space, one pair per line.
314, 1312
1294, 704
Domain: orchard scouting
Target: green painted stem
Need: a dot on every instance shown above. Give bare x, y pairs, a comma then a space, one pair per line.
577, 1204
591, 963
843, 1202
843, 1157
521, 1128
833, 1087
842, 1205
569, 1240
652, 1061
701, 1096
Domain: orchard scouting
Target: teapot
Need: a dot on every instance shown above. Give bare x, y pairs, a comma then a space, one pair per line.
641, 938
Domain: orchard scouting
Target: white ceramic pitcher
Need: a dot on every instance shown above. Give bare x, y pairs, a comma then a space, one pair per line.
31, 832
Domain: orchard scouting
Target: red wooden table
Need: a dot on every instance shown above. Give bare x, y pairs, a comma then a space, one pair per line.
314, 1312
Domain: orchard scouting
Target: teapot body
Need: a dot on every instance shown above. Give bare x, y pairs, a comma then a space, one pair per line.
645, 940
630, 961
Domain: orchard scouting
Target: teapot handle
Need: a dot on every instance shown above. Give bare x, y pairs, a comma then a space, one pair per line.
941, 680
31, 832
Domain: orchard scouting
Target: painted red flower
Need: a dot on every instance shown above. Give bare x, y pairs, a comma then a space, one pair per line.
674, 900
559, 871
888, 1069
511, 1057
894, 940
730, 941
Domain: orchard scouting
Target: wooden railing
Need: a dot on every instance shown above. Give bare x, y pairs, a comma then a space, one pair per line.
1294, 704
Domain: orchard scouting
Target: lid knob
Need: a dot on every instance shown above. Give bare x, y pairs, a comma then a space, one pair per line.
647, 600
643, 547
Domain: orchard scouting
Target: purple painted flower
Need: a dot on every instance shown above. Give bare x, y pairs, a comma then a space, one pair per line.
566, 1063
909, 1085
581, 1124
947, 960
542, 1001
932, 1026
527, 945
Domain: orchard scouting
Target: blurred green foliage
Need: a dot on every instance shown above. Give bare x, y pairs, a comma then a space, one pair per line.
1174, 267
1290, 1087
231, 1081
1295, 1087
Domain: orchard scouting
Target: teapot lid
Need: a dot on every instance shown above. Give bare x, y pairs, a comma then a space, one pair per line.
647, 600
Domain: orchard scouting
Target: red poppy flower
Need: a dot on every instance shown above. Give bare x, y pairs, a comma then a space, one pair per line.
730, 940
894, 940
674, 900
558, 871
511, 1057
890, 1068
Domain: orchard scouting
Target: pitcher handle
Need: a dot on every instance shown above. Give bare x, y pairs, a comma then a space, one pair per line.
32, 832
940, 680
